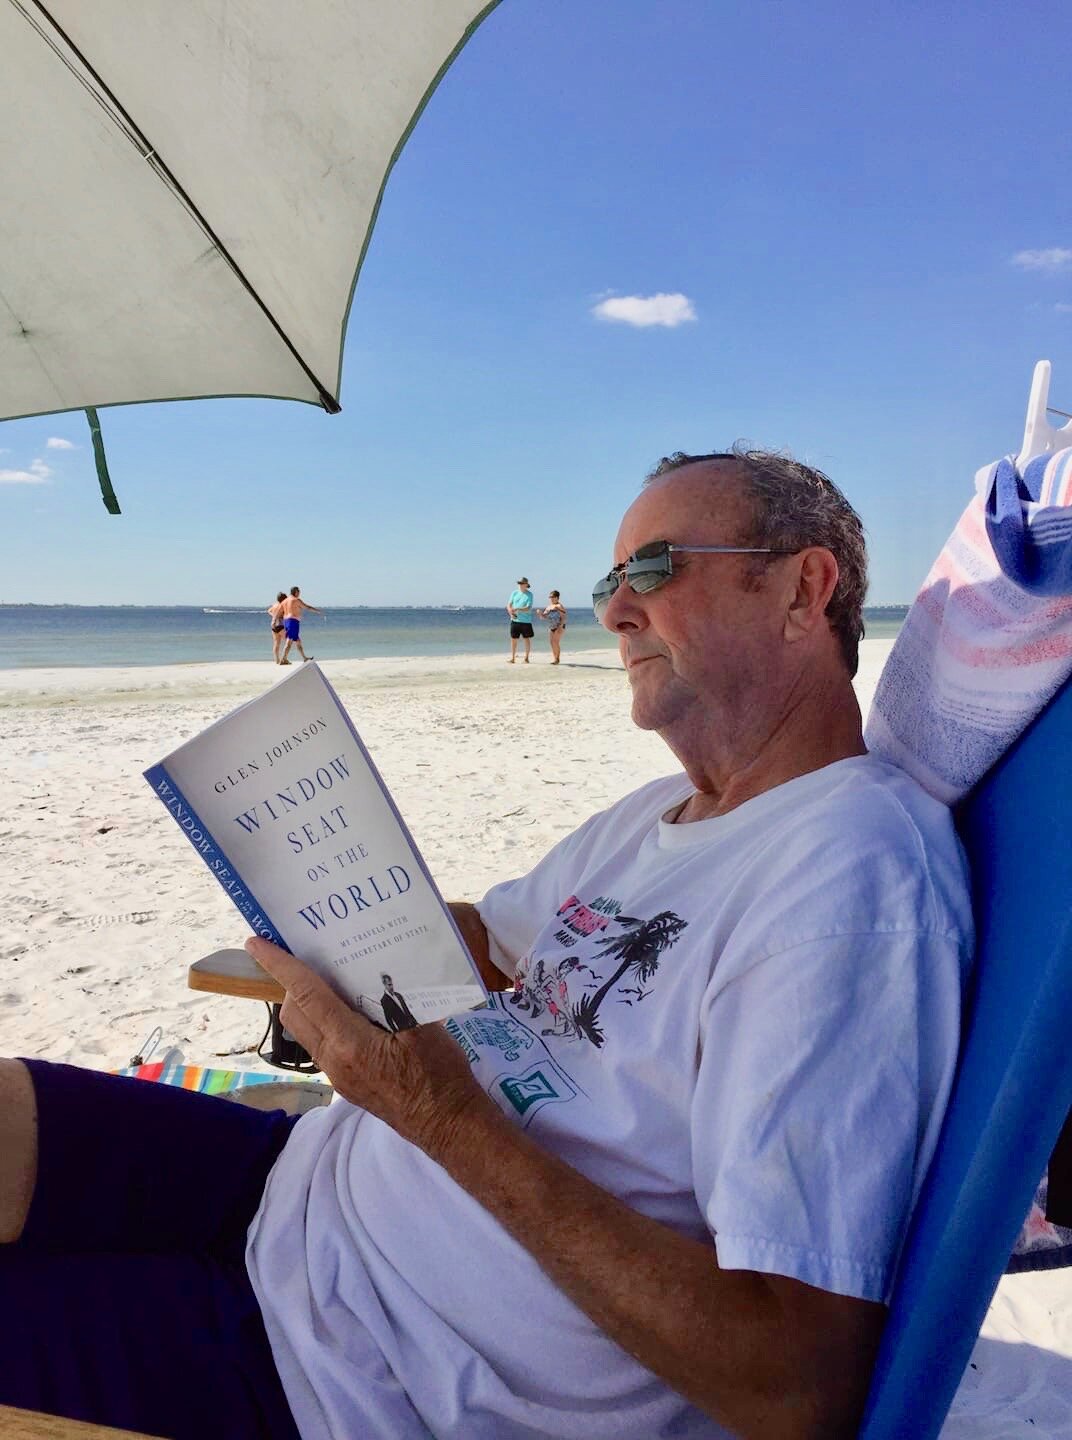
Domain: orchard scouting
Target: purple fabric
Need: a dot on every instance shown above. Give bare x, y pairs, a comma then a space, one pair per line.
126, 1301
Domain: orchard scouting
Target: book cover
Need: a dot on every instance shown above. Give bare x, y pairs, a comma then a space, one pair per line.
284, 805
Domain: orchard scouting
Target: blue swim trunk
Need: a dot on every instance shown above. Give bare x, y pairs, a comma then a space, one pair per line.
126, 1299
291, 629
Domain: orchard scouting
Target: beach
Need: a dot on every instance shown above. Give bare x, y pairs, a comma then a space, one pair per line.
106, 904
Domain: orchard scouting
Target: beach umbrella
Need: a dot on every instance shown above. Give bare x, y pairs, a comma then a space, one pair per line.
189, 190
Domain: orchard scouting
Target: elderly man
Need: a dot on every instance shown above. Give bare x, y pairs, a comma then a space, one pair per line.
659, 1187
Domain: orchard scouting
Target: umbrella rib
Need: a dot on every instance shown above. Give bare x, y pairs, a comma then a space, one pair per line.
125, 121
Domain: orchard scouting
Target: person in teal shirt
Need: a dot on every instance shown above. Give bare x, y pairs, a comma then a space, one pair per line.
519, 609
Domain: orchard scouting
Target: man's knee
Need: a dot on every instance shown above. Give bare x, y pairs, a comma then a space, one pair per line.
18, 1146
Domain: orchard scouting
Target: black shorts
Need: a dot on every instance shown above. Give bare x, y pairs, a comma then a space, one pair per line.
520, 630
164, 1184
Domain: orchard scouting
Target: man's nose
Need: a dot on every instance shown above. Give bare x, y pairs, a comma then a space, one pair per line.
622, 612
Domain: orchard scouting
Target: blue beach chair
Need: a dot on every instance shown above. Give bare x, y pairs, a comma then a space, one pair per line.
1013, 1087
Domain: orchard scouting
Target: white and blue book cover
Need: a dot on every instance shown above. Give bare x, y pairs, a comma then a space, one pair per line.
284, 805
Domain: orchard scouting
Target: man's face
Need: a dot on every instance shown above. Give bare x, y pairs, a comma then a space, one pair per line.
703, 648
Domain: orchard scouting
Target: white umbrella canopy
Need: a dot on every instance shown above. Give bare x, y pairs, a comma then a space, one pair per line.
189, 188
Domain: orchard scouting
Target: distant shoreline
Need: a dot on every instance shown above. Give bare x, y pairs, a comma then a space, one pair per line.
75, 637
222, 609
891, 612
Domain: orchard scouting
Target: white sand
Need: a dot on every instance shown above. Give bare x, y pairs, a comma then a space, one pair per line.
106, 905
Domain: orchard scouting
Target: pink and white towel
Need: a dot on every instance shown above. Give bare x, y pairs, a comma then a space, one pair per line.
988, 640
984, 648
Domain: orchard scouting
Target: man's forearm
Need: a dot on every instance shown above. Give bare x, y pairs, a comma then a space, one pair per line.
768, 1356
670, 1310
724, 1338
727, 1340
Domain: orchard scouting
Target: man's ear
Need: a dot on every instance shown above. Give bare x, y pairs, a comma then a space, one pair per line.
816, 573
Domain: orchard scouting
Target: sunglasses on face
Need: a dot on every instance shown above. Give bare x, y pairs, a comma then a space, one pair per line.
652, 565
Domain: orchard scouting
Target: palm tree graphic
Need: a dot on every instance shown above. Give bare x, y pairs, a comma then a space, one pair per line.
639, 950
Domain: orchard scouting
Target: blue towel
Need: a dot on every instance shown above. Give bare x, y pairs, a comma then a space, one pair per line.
1029, 522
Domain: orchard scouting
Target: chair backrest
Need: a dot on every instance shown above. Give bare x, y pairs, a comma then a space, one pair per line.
1014, 1080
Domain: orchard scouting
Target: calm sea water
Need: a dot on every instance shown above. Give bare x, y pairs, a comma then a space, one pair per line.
65, 635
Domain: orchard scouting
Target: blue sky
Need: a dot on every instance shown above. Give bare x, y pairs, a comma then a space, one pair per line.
863, 211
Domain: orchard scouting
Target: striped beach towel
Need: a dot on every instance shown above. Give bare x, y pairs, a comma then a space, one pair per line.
984, 648
988, 641
197, 1077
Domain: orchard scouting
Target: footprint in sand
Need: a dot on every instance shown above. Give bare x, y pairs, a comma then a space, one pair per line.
96, 922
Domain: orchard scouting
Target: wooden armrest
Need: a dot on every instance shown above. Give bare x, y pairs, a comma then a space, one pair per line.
233, 972
31, 1425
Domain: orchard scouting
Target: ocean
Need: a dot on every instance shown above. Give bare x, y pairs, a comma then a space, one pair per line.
75, 635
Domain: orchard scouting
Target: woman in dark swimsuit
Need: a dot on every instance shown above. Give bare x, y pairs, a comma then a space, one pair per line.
276, 613
555, 615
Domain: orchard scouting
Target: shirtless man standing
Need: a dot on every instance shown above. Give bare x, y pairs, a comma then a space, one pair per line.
294, 608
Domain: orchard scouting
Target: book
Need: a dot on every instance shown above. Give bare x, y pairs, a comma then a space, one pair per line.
285, 806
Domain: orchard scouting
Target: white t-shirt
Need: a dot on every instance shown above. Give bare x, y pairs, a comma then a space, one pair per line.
744, 1027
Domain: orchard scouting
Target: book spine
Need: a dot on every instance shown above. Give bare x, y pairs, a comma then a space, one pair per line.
213, 854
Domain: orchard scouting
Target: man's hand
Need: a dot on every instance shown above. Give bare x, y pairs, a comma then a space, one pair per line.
417, 1081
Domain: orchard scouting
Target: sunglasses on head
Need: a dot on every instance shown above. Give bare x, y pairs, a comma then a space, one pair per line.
652, 565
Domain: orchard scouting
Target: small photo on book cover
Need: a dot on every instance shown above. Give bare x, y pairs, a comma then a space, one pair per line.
285, 806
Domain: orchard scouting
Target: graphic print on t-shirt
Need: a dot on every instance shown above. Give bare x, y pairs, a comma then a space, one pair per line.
543, 986
542, 1082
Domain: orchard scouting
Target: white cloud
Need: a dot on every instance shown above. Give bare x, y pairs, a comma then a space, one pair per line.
55, 443
644, 310
37, 474
1063, 308
1049, 261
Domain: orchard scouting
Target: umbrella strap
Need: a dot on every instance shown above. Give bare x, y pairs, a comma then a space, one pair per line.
111, 504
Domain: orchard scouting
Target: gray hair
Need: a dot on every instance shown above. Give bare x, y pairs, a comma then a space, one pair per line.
794, 506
